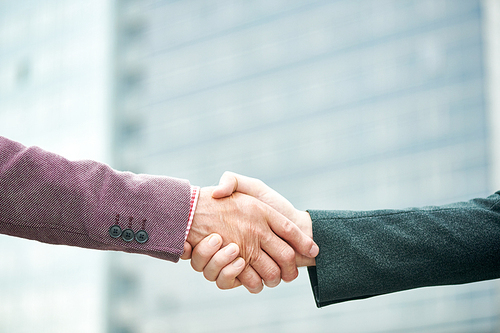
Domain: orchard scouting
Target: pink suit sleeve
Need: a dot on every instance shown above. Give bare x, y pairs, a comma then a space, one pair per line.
47, 198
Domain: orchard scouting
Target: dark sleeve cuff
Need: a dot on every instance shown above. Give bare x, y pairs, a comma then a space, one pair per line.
313, 277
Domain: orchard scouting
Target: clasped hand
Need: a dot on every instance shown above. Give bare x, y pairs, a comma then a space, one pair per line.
243, 216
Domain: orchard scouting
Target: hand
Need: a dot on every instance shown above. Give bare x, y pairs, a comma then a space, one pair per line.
255, 227
231, 182
220, 268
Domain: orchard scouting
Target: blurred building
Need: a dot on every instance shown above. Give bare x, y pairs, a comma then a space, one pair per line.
54, 93
336, 105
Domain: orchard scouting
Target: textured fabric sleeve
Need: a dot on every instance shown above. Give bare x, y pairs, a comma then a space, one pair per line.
369, 253
47, 198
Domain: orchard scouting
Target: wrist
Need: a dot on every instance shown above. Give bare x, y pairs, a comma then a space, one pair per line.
304, 222
195, 191
198, 230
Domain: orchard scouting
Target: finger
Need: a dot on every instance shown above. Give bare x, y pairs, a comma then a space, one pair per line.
269, 270
227, 278
302, 261
251, 280
187, 251
289, 232
221, 259
248, 185
283, 257
204, 250
231, 182
227, 185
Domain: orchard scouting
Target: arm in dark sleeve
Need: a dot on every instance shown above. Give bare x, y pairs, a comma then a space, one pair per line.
47, 198
369, 253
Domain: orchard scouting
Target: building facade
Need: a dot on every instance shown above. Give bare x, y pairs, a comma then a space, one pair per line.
336, 105
54, 93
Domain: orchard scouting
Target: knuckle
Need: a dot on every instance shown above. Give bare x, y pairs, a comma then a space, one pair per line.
195, 266
288, 227
273, 274
256, 291
268, 236
254, 285
254, 205
288, 255
291, 276
208, 276
222, 285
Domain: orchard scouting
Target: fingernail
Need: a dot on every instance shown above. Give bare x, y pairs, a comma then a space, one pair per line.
239, 262
314, 251
230, 250
213, 241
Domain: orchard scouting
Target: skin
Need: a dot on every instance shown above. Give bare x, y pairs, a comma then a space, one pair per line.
266, 240
223, 266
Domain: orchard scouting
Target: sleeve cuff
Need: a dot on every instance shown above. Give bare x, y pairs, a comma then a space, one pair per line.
195, 191
313, 278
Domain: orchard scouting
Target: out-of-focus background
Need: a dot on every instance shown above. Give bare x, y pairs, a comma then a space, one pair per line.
336, 104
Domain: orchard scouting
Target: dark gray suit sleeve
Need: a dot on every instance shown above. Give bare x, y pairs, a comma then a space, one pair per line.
369, 253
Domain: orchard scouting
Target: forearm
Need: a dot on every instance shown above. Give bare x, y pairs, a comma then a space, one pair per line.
50, 199
363, 254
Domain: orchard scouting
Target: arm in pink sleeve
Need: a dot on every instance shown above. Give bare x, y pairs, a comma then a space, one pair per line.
50, 199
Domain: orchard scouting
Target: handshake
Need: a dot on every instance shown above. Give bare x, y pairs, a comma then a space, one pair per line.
245, 233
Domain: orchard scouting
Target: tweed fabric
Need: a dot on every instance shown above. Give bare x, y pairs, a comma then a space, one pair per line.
47, 198
369, 253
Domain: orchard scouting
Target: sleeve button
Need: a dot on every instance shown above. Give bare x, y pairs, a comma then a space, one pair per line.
141, 236
115, 231
128, 235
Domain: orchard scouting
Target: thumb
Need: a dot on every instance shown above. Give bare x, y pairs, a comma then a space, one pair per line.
228, 184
